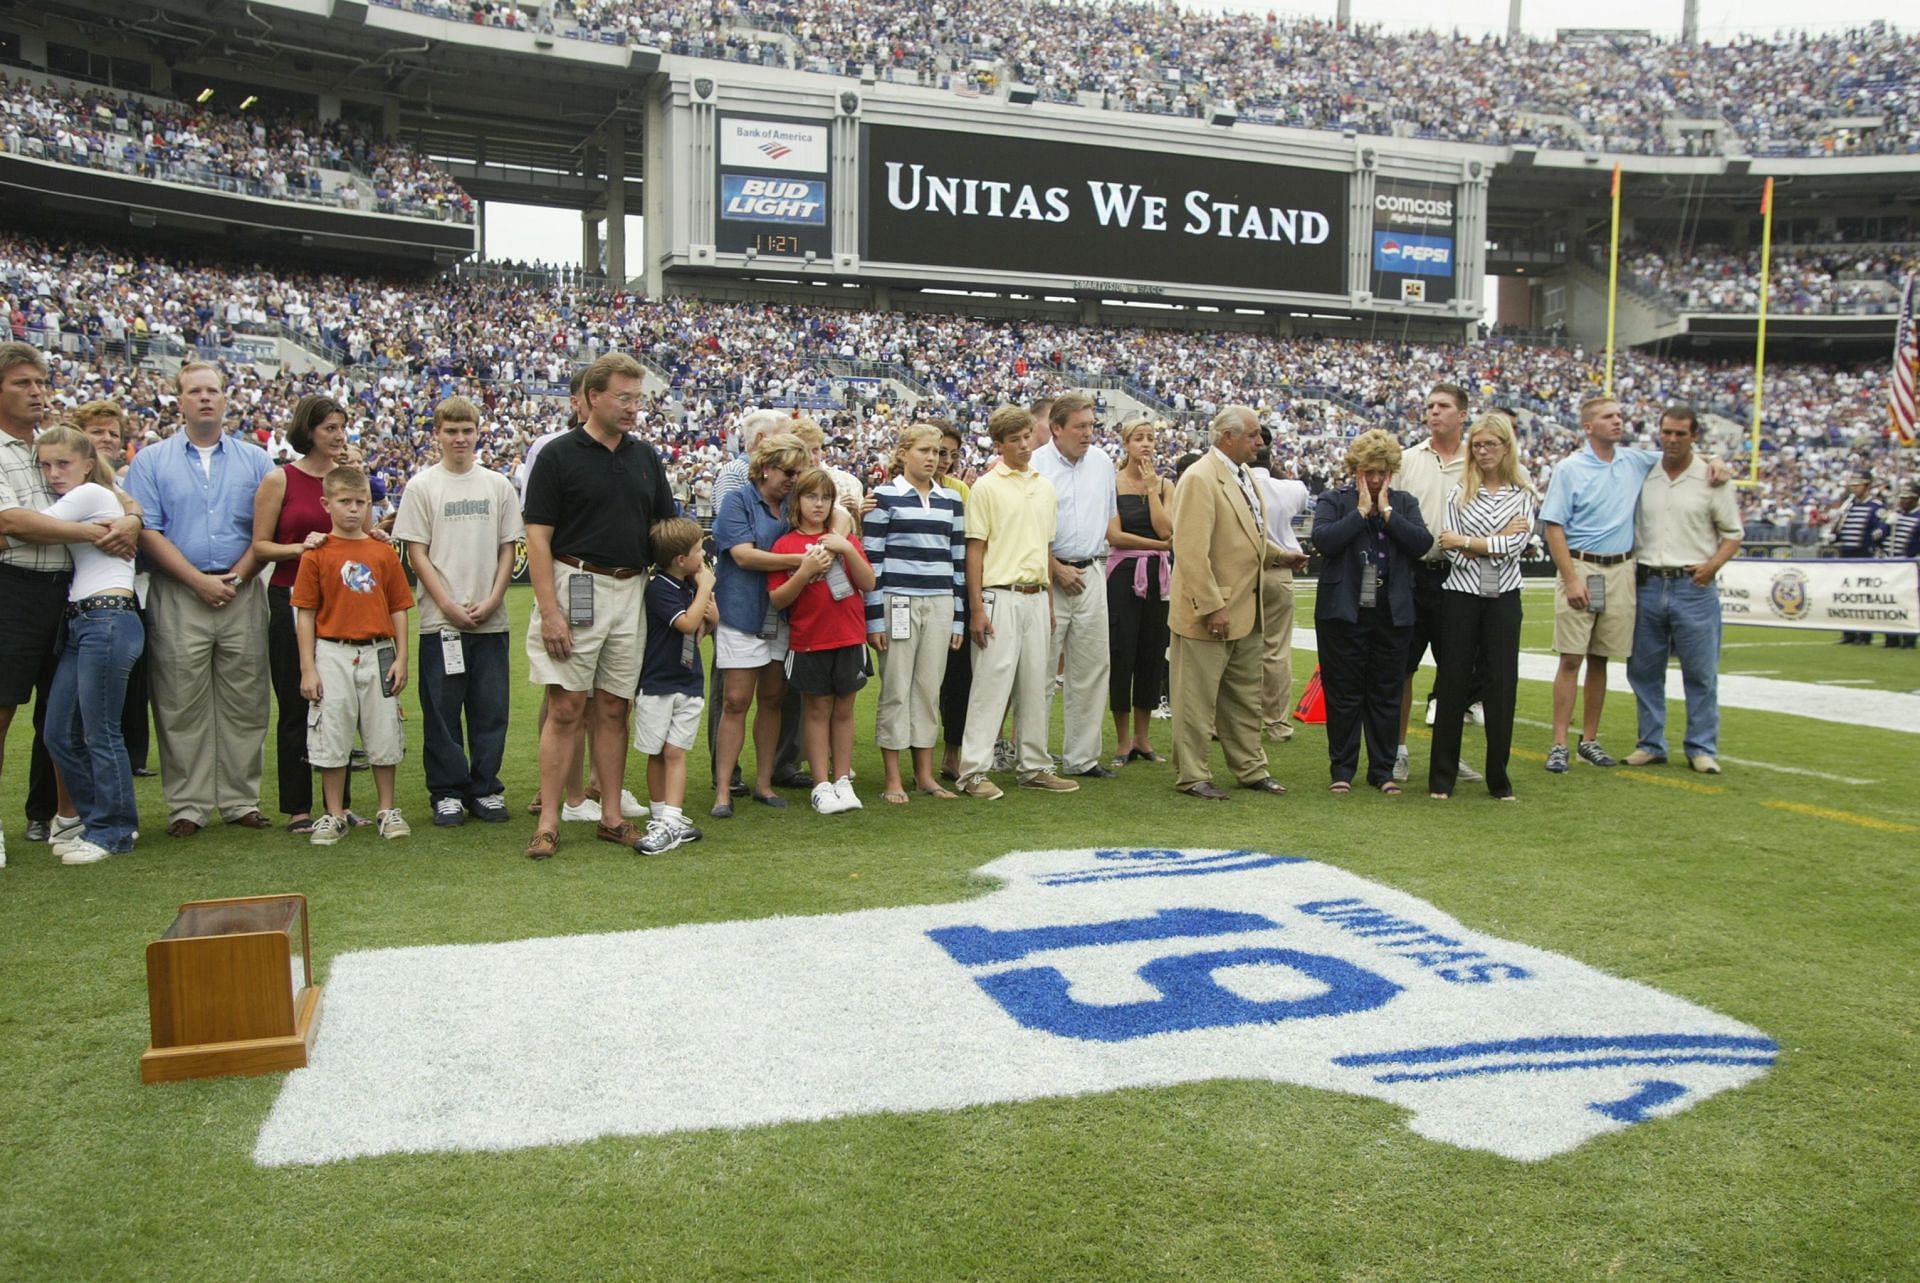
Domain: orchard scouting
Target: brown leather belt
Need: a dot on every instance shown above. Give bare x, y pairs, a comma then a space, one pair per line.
1601, 558
1019, 588
611, 572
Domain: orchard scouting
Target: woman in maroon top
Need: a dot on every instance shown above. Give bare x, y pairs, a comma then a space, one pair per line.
287, 520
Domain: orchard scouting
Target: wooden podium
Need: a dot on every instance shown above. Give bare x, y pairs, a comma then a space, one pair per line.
223, 993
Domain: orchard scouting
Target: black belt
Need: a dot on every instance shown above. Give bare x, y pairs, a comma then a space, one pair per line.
1081, 564
1019, 588
1667, 572
106, 601
1602, 558
611, 572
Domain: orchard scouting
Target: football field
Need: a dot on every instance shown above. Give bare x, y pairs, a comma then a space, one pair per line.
1776, 903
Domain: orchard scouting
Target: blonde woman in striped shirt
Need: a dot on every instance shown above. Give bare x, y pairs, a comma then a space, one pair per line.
1488, 523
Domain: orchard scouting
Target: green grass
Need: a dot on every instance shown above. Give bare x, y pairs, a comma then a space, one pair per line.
1800, 924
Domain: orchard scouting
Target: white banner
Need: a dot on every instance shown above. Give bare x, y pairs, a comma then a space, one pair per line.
773, 144
1850, 595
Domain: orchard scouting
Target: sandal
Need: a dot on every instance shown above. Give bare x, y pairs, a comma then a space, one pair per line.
894, 797
1143, 755
1340, 787
1390, 788
943, 794
302, 825
1441, 797
543, 846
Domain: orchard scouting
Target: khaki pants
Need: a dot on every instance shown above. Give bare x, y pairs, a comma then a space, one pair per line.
1080, 635
211, 698
1211, 686
1012, 665
1276, 657
911, 671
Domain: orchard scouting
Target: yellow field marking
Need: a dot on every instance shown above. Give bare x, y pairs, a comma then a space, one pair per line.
1685, 786
1842, 817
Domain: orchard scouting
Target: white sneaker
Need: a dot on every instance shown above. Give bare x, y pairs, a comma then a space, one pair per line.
327, 830
1401, 767
1004, 755
1433, 710
3, 846
826, 799
1476, 714
849, 800
632, 807
1162, 711
81, 851
659, 837
391, 824
66, 828
1468, 775
588, 812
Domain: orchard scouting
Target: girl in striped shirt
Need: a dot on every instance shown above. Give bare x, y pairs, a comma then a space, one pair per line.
915, 538
1488, 523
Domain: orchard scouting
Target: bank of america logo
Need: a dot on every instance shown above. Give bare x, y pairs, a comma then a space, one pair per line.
776, 151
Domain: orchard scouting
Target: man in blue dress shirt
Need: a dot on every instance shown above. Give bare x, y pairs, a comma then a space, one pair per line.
208, 646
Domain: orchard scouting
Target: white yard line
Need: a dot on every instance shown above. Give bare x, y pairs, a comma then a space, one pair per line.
1741, 761
1877, 709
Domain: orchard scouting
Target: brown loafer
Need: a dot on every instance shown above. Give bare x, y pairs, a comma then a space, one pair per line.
543, 846
1206, 789
253, 820
182, 829
625, 833
1268, 785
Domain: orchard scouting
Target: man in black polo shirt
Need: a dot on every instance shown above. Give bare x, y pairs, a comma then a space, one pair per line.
591, 498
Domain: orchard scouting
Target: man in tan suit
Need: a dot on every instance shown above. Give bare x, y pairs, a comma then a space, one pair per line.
1220, 547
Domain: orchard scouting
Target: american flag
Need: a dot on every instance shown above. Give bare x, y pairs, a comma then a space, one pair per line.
1906, 368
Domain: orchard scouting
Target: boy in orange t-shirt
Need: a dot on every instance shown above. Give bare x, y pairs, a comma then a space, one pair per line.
351, 601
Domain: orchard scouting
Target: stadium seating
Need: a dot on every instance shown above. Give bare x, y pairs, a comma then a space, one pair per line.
330, 162
117, 317
1796, 95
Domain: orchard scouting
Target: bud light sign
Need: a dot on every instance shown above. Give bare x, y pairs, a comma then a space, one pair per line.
1407, 254
744, 198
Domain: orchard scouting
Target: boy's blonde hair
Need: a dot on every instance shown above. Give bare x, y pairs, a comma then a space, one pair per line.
455, 409
674, 537
346, 480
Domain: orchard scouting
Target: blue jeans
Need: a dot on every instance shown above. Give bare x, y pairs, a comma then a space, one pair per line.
480, 695
1677, 617
83, 722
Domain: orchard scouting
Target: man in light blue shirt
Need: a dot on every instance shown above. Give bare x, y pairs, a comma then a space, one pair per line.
1085, 502
208, 613
1588, 519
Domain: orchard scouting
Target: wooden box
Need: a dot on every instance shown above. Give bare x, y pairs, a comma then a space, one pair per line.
224, 993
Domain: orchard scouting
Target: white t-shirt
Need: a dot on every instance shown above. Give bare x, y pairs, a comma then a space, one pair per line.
1286, 499
461, 521
94, 571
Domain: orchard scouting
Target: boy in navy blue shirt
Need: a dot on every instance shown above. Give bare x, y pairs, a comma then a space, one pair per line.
666, 716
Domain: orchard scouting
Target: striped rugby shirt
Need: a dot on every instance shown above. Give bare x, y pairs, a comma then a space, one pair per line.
917, 547
1490, 512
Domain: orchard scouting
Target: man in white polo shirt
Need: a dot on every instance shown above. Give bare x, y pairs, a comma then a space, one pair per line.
1084, 502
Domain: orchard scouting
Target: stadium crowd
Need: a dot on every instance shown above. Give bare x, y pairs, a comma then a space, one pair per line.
1795, 94
1804, 280
281, 158
510, 341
